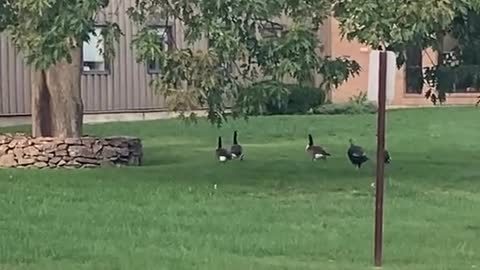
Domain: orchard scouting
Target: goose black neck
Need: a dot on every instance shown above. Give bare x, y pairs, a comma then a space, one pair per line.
219, 142
310, 139
235, 137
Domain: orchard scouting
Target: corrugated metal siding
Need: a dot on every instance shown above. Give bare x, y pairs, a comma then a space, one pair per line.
125, 88
15, 76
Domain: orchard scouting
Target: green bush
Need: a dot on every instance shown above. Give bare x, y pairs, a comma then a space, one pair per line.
272, 98
300, 100
346, 108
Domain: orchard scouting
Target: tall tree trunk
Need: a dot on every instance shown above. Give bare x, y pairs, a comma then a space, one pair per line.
57, 107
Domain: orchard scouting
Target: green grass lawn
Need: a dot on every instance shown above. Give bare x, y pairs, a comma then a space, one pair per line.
275, 210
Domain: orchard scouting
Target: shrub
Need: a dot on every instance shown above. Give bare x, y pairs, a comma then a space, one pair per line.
302, 99
260, 98
271, 98
357, 104
346, 108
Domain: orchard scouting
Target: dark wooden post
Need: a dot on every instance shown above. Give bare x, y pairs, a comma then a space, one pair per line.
382, 96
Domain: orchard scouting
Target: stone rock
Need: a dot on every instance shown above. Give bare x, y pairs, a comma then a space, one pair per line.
43, 140
80, 151
87, 160
62, 146
26, 161
10, 152
73, 164
61, 163
19, 142
49, 147
109, 152
67, 158
5, 139
12, 144
89, 166
42, 158
55, 160
39, 147
7, 161
88, 141
123, 152
3, 149
31, 151
73, 141
18, 152
114, 159
123, 160
61, 153
115, 141
40, 165
97, 147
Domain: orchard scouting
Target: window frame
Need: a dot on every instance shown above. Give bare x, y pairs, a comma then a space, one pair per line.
107, 62
410, 68
169, 30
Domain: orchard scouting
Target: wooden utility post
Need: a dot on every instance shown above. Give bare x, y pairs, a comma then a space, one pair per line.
380, 172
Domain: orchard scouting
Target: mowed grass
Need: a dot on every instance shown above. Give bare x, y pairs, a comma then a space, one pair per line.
275, 210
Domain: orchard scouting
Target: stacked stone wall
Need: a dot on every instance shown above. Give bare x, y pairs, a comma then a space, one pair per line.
23, 151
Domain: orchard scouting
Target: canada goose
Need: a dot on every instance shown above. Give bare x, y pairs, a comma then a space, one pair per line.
386, 155
315, 151
236, 150
222, 154
356, 155
388, 159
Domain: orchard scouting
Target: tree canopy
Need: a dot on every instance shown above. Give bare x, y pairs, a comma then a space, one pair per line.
46, 31
422, 24
248, 46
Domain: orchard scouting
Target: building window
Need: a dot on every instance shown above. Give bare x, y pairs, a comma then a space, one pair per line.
93, 58
414, 70
271, 30
164, 39
464, 76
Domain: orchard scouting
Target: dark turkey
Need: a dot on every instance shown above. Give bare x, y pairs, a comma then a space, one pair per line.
236, 149
356, 155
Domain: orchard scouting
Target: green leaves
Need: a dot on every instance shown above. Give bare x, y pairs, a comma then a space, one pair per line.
46, 31
391, 21
251, 44
418, 23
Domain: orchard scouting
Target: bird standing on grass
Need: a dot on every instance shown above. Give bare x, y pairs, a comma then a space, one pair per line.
388, 159
222, 154
236, 150
386, 155
315, 151
356, 155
